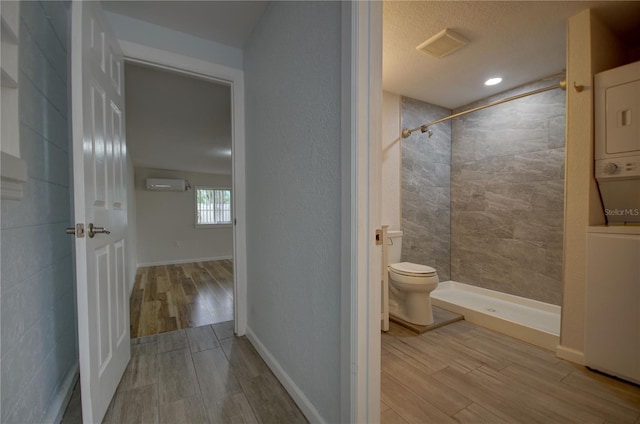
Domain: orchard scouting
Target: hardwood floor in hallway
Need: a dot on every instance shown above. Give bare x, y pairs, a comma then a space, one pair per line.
196, 376
184, 352
463, 373
172, 297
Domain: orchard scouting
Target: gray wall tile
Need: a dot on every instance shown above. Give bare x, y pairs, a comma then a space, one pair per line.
483, 199
507, 195
426, 187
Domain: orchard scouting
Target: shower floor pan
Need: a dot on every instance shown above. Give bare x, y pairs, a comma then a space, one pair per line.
534, 322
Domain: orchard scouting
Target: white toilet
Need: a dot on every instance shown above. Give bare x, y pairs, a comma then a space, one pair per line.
410, 285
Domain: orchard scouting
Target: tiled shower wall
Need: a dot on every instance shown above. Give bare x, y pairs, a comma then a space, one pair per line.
426, 188
506, 193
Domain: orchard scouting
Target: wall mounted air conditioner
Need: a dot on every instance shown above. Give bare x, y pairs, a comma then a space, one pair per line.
165, 184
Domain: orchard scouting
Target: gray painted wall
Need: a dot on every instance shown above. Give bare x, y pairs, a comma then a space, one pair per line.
426, 188
166, 231
37, 294
293, 143
506, 194
147, 34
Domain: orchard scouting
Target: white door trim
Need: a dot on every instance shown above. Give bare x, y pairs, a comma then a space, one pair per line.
361, 211
235, 79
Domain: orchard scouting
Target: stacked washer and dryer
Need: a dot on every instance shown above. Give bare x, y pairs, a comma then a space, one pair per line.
612, 324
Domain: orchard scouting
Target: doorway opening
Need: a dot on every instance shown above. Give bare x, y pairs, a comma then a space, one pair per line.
179, 136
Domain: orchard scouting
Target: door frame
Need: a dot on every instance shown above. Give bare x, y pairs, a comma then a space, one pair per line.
361, 280
234, 78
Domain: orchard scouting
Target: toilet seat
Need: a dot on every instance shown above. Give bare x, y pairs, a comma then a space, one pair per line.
412, 270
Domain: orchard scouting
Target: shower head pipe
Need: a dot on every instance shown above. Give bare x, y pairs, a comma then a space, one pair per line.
425, 127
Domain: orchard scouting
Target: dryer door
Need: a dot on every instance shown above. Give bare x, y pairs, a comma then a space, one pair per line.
623, 118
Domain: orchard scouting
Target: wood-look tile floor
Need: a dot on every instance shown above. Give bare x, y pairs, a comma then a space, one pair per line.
462, 373
196, 375
173, 297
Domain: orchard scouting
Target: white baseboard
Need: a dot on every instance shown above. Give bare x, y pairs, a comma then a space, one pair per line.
305, 405
184, 261
570, 354
58, 405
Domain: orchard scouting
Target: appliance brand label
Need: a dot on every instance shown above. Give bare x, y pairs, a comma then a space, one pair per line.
621, 212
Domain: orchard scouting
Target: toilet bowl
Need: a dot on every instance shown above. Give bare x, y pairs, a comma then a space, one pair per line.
410, 285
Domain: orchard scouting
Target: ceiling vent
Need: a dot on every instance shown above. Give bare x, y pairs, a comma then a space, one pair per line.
443, 43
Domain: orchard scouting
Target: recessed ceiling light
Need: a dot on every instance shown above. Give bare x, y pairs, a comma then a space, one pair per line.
493, 81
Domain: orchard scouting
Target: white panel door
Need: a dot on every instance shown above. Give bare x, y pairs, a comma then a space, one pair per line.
99, 159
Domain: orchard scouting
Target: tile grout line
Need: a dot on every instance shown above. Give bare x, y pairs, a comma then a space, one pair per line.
200, 395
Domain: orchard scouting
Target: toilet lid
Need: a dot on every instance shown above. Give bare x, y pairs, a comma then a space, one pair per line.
411, 269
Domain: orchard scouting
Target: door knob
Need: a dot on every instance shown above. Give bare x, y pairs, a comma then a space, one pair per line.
97, 230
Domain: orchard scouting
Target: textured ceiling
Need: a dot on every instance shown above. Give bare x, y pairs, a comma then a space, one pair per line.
521, 41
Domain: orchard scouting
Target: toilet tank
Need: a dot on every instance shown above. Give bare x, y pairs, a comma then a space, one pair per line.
394, 249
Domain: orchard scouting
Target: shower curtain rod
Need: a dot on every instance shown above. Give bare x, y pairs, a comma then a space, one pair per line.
425, 128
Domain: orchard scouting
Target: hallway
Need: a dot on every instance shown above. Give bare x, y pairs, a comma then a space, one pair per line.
196, 375
186, 364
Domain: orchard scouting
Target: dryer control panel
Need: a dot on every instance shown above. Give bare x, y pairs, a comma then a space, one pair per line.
621, 167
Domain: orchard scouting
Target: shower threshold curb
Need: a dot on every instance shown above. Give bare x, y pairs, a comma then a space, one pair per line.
528, 320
